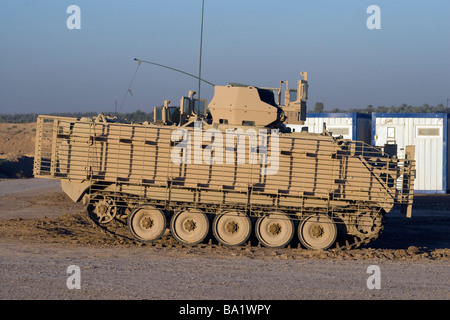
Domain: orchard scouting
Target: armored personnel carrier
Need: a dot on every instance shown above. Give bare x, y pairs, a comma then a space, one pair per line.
230, 170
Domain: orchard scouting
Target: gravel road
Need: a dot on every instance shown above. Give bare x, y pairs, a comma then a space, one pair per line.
42, 234
39, 271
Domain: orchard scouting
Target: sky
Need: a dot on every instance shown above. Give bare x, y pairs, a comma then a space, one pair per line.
45, 67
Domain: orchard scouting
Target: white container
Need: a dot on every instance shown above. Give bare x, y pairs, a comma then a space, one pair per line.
429, 133
354, 126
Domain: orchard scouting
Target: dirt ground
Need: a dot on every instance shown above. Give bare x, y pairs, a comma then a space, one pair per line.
17, 142
37, 210
42, 233
17, 139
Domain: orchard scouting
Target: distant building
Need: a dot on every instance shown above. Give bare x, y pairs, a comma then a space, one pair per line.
354, 126
429, 133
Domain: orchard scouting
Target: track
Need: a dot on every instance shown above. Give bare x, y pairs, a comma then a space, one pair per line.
118, 228
35, 211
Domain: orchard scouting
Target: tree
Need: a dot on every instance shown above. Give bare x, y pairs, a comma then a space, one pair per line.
381, 109
369, 109
319, 107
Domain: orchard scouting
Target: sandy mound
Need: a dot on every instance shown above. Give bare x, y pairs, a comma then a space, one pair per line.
17, 142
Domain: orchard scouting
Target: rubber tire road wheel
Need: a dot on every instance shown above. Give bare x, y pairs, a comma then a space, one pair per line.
147, 223
317, 232
232, 228
274, 230
189, 227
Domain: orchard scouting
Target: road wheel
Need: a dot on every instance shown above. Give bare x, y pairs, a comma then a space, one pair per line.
275, 230
147, 223
317, 232
232, 228
190, 226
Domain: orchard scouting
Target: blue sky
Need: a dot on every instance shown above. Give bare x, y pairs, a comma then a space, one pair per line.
45, 67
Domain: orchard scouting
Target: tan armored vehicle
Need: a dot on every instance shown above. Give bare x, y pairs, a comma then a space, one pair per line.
232, 170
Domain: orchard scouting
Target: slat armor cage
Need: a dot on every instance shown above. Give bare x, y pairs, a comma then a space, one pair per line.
132, 164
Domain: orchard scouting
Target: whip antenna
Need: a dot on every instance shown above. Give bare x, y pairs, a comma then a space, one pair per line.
201, 45
170, 68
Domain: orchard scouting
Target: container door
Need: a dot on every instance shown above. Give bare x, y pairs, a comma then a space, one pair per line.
429, 155
387, 133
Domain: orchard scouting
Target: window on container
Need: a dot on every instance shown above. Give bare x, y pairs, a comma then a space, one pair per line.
428, 132
339, 131
390, 132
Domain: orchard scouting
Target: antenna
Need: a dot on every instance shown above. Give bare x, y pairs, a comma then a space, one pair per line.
177, 70
201, 45
170, 68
